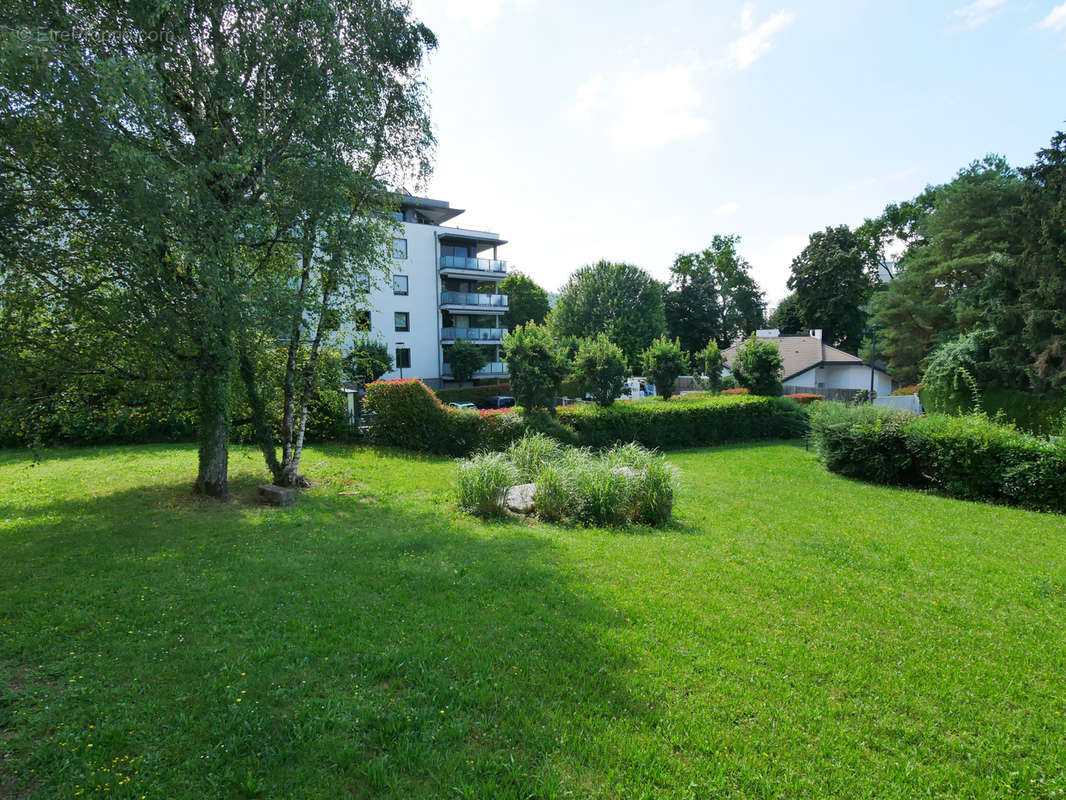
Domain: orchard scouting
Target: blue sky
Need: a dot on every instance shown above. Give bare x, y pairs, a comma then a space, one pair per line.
581, 129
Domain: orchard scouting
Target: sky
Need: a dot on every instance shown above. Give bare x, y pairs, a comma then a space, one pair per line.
582, 130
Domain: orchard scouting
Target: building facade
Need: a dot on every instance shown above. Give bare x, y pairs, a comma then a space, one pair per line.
444, 287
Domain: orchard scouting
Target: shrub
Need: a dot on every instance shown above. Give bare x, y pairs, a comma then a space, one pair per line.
466, 358
969, 457
481, 481
805, 398
865, 442
368, 360
600, 369
536, 365
736, 390
757, 367
686, 422
711, 360
663, 362
408, 415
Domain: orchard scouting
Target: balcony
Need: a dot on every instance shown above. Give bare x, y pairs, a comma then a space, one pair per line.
478, 299
476, 264
493, 368
473, 334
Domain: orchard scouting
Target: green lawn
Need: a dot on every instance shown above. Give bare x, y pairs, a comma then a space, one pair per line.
794, 634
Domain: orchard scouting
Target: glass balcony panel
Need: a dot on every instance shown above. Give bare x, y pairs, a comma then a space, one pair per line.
473, 334
473, 299
480, 264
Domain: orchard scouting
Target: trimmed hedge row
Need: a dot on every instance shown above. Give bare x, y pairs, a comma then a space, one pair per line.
407, 414
686, 421
969, 457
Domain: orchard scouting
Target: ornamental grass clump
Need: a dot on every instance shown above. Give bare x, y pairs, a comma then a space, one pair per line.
625, 484
481, 482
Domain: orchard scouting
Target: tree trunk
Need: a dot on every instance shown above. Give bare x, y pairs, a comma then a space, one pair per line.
260, 424
214, 401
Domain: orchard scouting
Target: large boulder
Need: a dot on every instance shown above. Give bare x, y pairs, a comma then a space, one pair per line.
519, 499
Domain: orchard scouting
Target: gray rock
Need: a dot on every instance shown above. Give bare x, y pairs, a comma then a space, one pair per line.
519, 499
272, 495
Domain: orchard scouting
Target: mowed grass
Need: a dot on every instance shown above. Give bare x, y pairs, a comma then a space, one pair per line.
792, 634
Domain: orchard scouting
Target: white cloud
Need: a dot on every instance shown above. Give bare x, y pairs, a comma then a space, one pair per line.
589, 94
481, 14
726, 209
977, 13
756, 40
644, 110
1055, 20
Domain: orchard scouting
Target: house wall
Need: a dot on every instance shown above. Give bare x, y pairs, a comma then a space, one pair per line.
851, 376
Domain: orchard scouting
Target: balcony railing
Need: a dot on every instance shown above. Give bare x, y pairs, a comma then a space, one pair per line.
492, 368
474, 334
479, 264
473, 299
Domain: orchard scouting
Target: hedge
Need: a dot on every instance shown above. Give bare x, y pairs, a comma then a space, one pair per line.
686, 421
1040, 414
406, 414
26, 424
969, 457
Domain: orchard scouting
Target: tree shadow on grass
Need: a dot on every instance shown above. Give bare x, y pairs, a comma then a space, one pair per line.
342, 647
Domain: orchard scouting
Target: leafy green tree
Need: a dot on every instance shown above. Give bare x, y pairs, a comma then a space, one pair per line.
831, 282
526, 300
1041, 278
600, 369
536, 364
368, 360
711, 360
712, 296
466, 358
963, 272
757, 367
172, 161
620, 300
664, 361
788, 317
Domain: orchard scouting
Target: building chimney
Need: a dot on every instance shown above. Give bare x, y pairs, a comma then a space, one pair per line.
816, 333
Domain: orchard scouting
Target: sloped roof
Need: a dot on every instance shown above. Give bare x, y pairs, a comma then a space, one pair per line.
800, 353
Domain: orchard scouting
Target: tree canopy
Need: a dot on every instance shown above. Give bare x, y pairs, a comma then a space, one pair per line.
620, 300
526, 301
712, 296
831, 282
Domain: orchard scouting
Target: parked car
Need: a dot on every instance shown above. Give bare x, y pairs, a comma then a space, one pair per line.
469, 406
496, 401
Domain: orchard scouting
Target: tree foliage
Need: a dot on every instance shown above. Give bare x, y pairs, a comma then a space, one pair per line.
788, 316
831, 283
620, 300
466, 358
177, 174
526, 301
712, 296
600, 369
367, 361
536, 364
711, 360
757, 367
664, 361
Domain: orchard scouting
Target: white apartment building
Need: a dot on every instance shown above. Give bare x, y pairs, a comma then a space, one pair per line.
444, 286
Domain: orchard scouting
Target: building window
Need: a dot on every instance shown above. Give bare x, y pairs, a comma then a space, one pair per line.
403, 321
399, 248
403, 358
399, 284
362, 321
